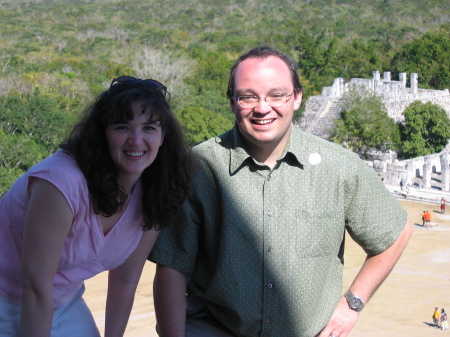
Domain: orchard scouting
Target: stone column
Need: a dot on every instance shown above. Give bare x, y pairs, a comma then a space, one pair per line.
341, 86
426, 176
402, 79
445, 172
376, 75
410, 174
387, 76
414, 83
376, 81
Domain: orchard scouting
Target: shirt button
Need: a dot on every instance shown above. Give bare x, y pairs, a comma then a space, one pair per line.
268, 320
269, 249
268, 178
270, 286
269, 214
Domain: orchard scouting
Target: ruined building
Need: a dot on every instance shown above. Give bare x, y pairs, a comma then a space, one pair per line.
321, 112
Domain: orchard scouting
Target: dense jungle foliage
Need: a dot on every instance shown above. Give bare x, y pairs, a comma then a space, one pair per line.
56, 56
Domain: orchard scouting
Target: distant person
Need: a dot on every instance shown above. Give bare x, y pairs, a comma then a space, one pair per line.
423, 218
443, 320
436, 315
254, 247
443, 204
406, 191
402, 184
427, 217
94, 205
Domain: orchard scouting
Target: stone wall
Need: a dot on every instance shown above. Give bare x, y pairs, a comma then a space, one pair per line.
395, 94
420, 171
321, 111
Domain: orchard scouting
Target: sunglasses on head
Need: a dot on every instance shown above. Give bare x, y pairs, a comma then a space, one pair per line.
133, 80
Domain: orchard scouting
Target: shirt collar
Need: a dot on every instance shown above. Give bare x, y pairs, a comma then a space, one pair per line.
293, 154
238, 152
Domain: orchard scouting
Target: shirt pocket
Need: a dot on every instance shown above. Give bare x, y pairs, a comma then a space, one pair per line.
319, 233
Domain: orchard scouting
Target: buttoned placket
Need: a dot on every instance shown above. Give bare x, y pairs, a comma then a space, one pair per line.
269, 220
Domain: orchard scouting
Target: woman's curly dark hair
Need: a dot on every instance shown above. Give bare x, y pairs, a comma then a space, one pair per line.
164, 183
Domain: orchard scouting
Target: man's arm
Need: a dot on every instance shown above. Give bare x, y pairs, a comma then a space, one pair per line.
372, 274
169, 294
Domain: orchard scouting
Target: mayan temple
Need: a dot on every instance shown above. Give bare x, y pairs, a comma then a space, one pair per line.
431, 171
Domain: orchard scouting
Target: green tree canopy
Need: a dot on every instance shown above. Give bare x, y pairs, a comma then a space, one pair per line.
426, 129
365, 124
35, 117
427, 55
202, 124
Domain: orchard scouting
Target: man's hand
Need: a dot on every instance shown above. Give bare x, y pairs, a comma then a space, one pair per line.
341, 322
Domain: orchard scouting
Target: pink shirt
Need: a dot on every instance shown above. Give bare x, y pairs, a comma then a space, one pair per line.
87, 251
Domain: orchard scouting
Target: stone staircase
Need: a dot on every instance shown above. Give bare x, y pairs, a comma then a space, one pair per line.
324, 123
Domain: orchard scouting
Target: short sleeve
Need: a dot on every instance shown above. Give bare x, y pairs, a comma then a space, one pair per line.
374, 218
61, 171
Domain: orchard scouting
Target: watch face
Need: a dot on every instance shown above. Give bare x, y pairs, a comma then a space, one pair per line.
355, 303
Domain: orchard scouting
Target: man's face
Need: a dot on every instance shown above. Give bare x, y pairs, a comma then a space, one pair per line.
264, 127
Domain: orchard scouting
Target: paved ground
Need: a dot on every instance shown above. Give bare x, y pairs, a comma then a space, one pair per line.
401, 307
426, 195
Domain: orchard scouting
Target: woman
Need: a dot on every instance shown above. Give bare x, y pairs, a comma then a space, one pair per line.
94, 205
443, 320
443, 204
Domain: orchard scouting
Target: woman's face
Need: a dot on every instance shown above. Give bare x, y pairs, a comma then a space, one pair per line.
133, 145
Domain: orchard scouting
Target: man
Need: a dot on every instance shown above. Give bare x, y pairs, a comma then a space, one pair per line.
436, 315
253, 247
427, 217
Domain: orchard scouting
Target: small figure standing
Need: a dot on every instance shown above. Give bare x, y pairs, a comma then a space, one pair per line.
427, 216
443, 319
423, 219
402, 184
443, 204
407, 191
436, 315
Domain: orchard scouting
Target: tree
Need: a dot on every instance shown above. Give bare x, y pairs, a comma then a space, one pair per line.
164, 66
426, 129
317, 57
36, 117
201, 124
31, 128
359, 58
365, 124
428, 56
17, 154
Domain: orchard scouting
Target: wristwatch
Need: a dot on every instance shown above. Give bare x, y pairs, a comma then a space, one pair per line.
354, 302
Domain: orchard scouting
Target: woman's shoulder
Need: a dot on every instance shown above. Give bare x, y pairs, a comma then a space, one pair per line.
60, 159
61, 163
62, 171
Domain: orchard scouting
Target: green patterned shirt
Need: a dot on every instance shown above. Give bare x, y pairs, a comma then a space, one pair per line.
264, 247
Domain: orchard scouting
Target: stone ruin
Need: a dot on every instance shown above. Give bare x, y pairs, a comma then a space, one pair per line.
322, 110
432, 171
395, 95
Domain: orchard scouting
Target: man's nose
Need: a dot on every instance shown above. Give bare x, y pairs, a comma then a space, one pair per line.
262, 106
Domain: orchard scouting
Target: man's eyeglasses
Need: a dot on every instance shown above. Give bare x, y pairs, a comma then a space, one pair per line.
274, 100
133, 80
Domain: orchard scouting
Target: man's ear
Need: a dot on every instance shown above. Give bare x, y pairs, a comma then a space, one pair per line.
233, 106
298, 100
